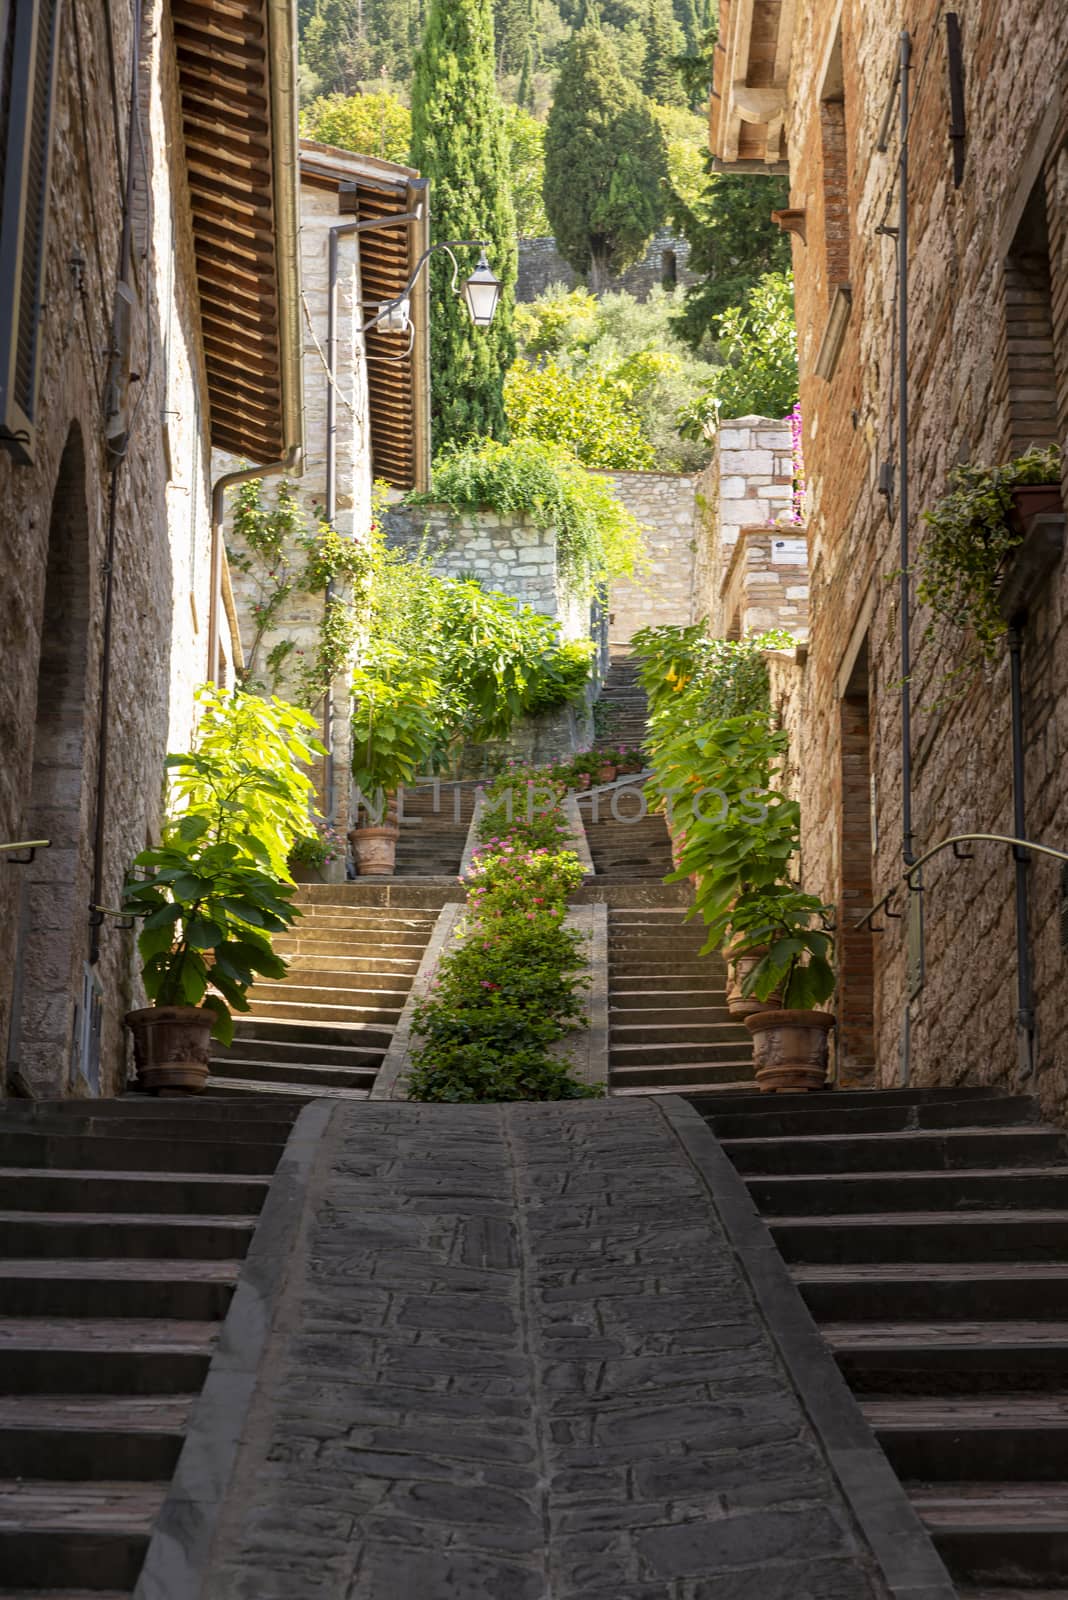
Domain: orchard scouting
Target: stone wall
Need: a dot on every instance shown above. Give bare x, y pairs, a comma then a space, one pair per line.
665, 503
976, 394
664, 264
299, 622
53, 552
748, 483
765, 585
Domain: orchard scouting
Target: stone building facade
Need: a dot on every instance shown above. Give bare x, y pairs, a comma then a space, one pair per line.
111, 607
933, 996
664, 265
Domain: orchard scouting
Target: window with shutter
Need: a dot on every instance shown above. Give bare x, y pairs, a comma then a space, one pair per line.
30, 31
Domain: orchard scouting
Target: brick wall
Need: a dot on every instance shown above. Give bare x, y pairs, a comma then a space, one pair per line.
747, 484
980, 359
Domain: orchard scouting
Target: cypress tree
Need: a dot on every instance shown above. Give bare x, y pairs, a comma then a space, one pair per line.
605, 161
660, 80
460, 142
524, 97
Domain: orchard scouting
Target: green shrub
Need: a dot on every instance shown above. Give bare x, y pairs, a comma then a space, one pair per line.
597, 538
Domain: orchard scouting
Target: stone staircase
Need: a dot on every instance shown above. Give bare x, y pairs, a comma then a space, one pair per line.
625, 844
927, 1230
434, 829
325, 1027
624, 700
122, 1228
669, 1030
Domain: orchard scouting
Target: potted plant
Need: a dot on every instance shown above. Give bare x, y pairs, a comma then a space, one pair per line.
971, 535
790, 1040
394, 738
312, 853
741, 961
209, 914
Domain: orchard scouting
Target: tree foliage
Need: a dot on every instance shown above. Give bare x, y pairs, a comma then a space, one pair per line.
605, 162
589, 415
733, 242
758, 350
459, 142
526, 141
376, 124
664, 40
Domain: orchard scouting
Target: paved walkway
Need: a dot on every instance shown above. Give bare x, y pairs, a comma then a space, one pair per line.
515, 1359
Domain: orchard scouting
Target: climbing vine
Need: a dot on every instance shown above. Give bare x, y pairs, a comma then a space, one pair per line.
275, 550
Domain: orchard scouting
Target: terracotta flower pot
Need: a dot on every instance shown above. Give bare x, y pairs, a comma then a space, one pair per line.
1031, 500
790, 1049
375, 849
740, 1004
172, 1047
606, 773
302, 873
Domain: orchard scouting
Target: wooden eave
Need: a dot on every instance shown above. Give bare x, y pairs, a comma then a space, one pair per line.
751, 67
397, 367
234, 61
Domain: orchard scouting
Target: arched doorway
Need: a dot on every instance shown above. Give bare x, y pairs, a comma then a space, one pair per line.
53, 940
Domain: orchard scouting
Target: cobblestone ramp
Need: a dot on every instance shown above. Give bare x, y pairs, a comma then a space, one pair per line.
515, 1358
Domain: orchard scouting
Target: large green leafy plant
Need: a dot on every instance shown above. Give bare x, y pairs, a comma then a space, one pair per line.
217, 888
757, 346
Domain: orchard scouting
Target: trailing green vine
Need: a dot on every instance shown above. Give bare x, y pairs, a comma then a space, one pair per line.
969, 534
273, 547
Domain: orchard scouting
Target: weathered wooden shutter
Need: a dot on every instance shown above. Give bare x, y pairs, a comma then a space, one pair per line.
30, 30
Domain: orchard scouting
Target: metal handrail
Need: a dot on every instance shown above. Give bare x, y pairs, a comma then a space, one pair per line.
953, 843
32, 845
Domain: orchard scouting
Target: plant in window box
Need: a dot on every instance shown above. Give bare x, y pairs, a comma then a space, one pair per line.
971, 535
788, 930
210, 911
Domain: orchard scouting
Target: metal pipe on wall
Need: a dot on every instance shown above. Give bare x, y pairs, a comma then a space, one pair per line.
1025, 1001
905, 62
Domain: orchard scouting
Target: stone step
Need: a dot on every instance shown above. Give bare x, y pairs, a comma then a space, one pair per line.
64, 1594
357, 988
295, 1001
934, 1291
372, 1030
145, 1109
71, 1531
85, 1437
826, 1116
396, 954
187, 1125
642, 968
649, 985
646, 1016
44, 1189
921, 1150
301, 1091
991, 1436
310, 1070
680, 1074
899, 1357
190, 1291
683, 1032
366, 919
361, 973
103, 1234
989, 1532
671, 1087
298, 1053
686, 1050
996, 1188
128, 1355
97, 1152
925, 1236
678, 1003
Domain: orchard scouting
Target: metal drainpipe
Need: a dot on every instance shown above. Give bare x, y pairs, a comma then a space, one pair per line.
339, 231
903, 455
292, 461
1025, 1014
125, 254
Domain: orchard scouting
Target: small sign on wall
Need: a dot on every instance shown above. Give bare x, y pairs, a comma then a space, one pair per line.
789, 552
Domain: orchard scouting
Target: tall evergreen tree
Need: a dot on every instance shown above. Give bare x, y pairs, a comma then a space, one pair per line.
660, 79
459, 142
524, 96
733, 242
605, 162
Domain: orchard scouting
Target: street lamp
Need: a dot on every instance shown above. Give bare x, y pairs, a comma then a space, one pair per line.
482, 291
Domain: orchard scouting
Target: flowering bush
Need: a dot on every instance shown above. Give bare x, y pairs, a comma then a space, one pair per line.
510, 990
